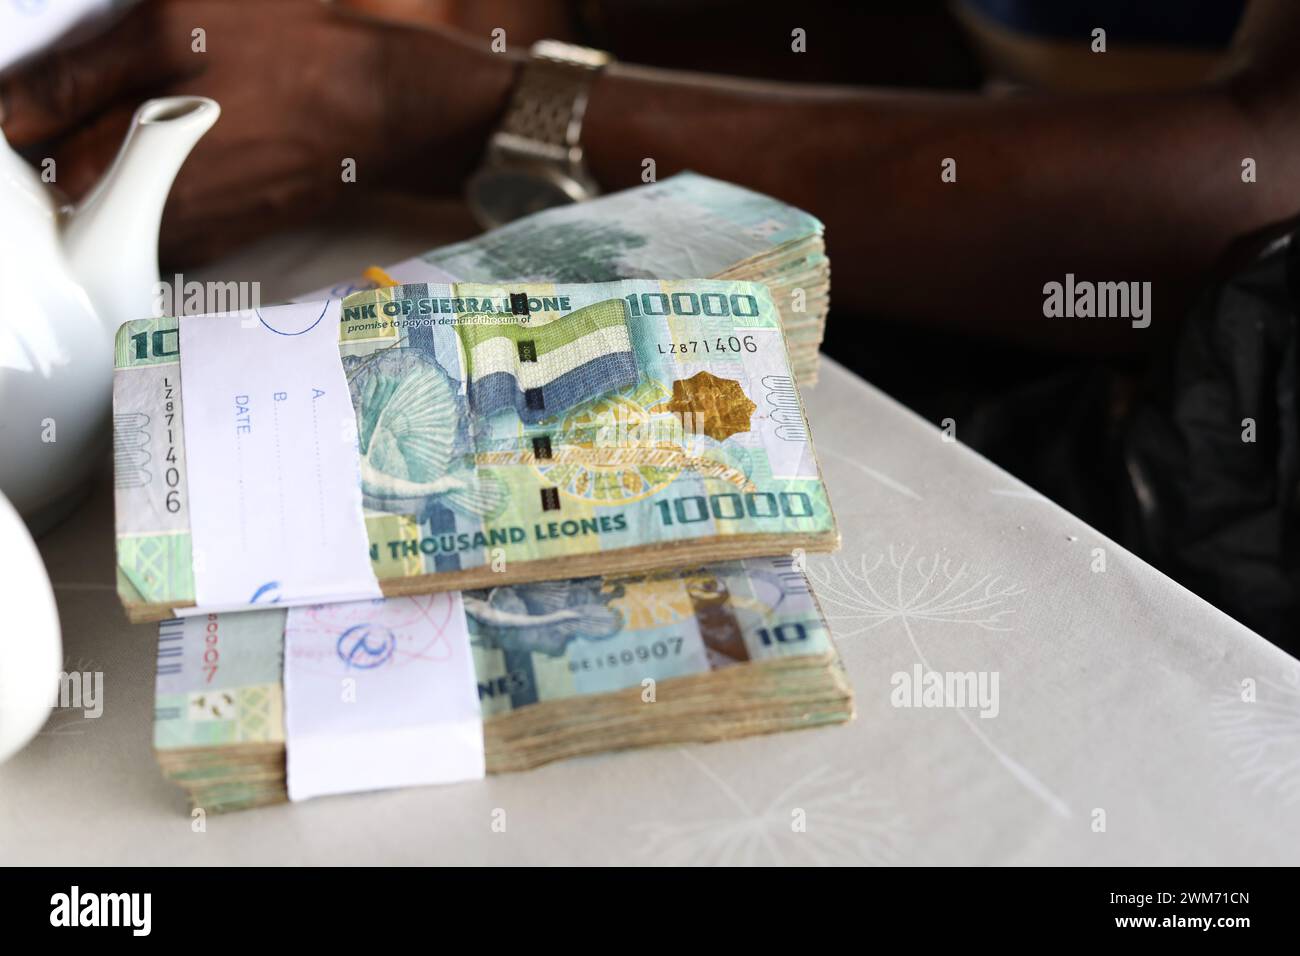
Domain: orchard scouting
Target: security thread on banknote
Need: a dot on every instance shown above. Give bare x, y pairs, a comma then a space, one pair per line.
502, 433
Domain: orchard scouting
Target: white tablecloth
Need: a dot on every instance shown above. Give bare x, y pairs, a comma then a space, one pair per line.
1121, 734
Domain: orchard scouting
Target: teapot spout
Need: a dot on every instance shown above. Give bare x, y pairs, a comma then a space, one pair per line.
111, 237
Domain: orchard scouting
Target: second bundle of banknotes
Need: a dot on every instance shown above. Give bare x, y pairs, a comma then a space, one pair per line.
685, 226
254, 708
425, 438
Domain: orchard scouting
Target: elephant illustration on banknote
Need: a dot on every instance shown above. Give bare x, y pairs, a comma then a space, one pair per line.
544, 616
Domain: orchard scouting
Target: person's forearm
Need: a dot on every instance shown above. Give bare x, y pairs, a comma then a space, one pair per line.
1125, 188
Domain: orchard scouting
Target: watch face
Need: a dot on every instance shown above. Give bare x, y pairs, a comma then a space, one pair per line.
501, 195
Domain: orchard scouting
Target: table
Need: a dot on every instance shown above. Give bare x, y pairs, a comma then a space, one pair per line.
1121, 733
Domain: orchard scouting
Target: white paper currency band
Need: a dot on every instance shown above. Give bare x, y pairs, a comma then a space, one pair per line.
271, 458
380, 694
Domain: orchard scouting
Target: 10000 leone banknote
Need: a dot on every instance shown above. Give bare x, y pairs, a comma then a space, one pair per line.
516, 432
220, 675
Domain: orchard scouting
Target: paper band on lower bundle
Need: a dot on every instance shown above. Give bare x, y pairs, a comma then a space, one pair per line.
271, 458
540, 370
380, 694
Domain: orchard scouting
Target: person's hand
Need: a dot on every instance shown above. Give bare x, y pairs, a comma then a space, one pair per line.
301, 87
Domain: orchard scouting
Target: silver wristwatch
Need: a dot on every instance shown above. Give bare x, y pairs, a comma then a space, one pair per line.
534, 159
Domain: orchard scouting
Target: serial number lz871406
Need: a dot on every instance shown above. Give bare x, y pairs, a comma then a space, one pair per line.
723, 343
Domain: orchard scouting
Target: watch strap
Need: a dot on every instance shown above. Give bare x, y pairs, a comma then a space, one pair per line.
544, 118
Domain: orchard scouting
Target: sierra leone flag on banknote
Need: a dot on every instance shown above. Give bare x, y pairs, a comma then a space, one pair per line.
541, 369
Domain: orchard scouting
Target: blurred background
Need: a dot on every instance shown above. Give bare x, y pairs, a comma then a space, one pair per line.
1123, 163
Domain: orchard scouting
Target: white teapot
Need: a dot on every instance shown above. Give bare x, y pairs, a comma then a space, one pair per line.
69, 276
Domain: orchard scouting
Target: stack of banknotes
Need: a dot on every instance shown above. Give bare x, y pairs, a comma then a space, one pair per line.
613, 427
442, 529
686, 226
698, 655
